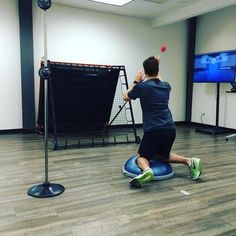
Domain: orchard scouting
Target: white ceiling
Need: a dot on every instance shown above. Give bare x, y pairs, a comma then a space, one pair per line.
159, 12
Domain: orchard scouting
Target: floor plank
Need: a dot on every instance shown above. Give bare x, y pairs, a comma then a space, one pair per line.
98, 199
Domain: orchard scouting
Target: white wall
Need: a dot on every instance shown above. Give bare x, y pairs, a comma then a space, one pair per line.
77, 35
82, 36
10, 78
216, 31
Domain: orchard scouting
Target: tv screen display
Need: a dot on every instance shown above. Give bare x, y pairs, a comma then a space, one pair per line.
216, 67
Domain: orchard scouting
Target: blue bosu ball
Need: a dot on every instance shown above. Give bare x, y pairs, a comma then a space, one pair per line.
160, 169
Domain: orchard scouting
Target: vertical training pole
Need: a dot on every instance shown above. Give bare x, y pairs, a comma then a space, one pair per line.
45, 99
46, 189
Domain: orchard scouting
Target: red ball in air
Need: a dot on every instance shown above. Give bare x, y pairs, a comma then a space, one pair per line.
163, 47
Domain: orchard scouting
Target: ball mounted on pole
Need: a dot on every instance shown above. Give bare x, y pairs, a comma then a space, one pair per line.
45, 189
44, 4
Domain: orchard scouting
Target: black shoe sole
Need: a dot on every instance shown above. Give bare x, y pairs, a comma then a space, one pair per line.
135, 183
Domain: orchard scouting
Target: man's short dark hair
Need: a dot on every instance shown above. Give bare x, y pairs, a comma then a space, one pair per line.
151, 66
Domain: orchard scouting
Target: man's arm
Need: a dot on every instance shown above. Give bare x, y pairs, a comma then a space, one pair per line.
138, 78
125, 96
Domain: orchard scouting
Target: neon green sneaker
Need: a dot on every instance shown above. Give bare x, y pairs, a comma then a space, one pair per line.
143, 178
195, 168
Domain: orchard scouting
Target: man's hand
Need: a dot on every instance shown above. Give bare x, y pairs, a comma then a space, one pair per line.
140, 76
158, 57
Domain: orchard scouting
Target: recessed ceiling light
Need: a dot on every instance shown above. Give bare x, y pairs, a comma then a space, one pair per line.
114, 2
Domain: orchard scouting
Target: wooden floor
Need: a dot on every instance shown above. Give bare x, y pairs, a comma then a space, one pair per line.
98, 199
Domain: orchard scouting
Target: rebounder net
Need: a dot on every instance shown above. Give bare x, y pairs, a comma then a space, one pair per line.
86, 106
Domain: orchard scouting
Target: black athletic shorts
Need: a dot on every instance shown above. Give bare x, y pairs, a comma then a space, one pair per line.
157, 144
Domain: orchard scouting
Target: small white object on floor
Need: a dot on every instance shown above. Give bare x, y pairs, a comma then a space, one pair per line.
185, 192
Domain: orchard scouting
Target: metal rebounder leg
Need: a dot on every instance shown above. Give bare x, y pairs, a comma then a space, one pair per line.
45, 189
127, 106
137, 138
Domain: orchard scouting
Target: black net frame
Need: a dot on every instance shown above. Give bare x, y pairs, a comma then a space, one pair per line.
112, 123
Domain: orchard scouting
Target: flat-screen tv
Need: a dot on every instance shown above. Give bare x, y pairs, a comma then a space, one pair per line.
215, 67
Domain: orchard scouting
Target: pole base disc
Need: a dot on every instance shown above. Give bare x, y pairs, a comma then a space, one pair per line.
46, 190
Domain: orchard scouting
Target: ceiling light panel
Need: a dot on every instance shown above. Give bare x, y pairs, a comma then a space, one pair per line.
157, 1
114, 2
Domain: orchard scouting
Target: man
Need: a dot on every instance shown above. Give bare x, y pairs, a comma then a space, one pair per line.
158, 125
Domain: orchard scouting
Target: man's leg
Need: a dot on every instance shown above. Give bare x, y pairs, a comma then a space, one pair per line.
143, 163
174, 158
194, 164
147, 174
146, 149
